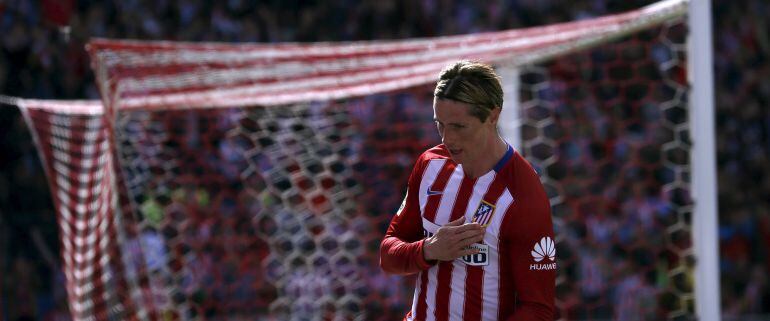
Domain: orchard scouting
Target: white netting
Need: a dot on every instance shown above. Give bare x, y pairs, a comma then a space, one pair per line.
608, 130
183, 75
246, 181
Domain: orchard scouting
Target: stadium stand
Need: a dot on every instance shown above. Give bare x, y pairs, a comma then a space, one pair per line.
41, 59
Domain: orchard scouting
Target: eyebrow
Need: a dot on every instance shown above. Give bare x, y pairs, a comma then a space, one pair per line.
455, 124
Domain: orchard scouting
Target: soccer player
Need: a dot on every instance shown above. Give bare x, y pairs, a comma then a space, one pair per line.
475, 222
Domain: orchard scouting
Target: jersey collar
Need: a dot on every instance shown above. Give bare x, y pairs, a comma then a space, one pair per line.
506, 157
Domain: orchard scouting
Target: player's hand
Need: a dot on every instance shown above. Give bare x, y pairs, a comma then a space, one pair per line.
452, 240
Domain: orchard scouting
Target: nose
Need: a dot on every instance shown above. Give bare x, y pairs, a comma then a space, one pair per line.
446, 138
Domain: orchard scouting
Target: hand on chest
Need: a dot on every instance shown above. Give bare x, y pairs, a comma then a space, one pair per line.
445, 197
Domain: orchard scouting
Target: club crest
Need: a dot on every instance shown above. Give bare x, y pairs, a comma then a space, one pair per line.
483, 214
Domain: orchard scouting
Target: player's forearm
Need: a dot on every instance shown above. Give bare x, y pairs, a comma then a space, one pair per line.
399, 257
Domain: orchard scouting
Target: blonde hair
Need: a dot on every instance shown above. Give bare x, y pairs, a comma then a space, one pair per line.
473, 83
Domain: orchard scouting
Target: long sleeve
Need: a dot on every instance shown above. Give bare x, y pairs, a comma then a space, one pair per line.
401, 251
529, 244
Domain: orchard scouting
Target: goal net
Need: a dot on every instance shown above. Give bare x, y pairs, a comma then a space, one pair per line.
221, 181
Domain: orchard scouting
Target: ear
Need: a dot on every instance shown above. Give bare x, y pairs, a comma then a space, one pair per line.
494, 115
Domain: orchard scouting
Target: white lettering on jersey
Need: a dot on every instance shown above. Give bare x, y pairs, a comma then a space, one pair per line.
544, 250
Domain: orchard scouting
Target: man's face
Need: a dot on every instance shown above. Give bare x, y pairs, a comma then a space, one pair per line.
464, 135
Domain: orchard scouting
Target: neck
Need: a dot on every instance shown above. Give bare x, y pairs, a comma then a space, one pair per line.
496, 149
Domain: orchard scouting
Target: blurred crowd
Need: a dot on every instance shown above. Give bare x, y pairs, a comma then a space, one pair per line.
742, 61
42, 56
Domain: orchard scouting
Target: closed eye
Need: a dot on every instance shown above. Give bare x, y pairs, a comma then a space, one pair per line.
452, 125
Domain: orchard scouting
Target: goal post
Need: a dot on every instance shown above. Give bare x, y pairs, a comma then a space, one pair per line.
510, 122
705, 223
262, 175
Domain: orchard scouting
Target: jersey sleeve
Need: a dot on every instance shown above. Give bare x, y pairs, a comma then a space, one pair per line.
401, 250
530, 253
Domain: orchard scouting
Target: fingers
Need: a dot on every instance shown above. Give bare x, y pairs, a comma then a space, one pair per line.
457, 222
453, 240
469, 226
459, 249
470, 234
471, 240
467, 251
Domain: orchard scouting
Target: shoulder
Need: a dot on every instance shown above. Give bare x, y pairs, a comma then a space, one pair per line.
434, 153
531, 208
519, 174
437, 152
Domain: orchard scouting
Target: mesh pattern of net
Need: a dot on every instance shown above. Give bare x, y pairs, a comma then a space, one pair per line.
607, 130
276, 213
77, 162
243, 212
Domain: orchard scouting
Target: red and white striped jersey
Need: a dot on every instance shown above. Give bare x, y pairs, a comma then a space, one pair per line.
513, 275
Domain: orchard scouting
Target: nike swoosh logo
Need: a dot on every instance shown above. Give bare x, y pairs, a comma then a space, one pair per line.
430, 193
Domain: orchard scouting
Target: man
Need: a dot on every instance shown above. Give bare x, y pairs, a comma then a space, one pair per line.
475, 222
